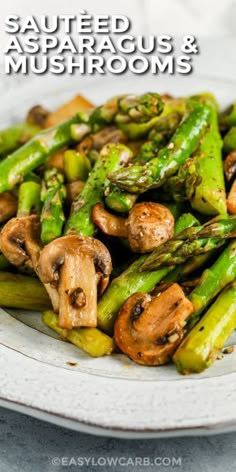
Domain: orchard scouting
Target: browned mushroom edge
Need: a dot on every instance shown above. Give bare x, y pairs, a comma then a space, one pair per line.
79, 268
108, 223
21, 245
148, 225
8, 206
148, 329
231, 199
230, 165
37, 115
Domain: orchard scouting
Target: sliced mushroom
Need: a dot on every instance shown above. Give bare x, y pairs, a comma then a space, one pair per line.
148, 329
148, 226
78, 267
231, 199
230, 165
21, 245
8, 206
108, 223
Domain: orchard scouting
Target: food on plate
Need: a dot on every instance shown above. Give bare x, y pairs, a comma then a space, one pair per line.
118, 222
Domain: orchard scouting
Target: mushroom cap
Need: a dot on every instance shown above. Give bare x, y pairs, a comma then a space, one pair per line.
149, 329
230, 165
53, 256
149, 225
8, 206
20, 240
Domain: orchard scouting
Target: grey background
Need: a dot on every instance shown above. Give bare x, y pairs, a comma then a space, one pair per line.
29, 445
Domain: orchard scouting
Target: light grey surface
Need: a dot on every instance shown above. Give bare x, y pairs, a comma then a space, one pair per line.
29, 445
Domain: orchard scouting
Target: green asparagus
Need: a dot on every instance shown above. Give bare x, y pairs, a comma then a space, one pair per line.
76, 166
36, 151
138, 179
23, 292
29, 199
205, 341
80, 222
90, 340
191, 242
16, 135
53, 193
230, 141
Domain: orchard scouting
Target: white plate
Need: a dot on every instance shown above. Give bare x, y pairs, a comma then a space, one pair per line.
112, 395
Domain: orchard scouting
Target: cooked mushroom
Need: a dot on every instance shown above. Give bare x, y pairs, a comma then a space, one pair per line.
8, 206
78, 267
21, 245
148, 226
230, 165
231, 199
148, 329
37, 116
110, 224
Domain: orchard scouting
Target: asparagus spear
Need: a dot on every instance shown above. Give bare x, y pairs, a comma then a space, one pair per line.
228, 117
230, 140
201, 346
29, 199
16, 135
138, 179
53, 193
213, 280
36, 151
135, 131
118, 200
76, 165
128, 108
80, 222
131, 281
23, 292
90, 340
209, 194
191, 242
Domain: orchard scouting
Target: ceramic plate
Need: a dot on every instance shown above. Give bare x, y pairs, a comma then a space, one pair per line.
112, 395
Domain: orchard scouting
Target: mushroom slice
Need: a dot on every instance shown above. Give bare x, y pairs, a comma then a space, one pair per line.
149, 225
148, 329
20, 240
8, 206
21, 245
231, 200
73, 189
230, 165
79, 267
108, 223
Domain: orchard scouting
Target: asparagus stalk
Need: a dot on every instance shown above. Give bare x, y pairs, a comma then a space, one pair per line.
76, 165
131, 281
138, 179
230, 140
191, 242
29, 199
13, 137
36, 151
213, 280
80, 222
90, 340
128, 108
204, 342
228, 117
53, 193
209, 194
23, 292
